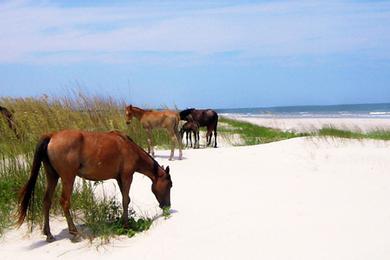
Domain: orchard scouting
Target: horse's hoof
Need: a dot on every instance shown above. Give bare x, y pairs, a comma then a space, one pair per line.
76, 238
50, 239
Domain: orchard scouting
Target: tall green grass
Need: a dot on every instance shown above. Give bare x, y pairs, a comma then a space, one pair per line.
36, 116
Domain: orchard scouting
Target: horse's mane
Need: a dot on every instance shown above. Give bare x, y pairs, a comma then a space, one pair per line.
185, 113
128, 138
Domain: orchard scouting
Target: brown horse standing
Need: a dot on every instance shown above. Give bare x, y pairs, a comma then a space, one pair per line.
204, 117
9, 117
92, 156
190, 128
151, 119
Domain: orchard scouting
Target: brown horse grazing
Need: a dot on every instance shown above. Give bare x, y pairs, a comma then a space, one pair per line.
204, 117
151, 119
92, 156
9, 117
190, 128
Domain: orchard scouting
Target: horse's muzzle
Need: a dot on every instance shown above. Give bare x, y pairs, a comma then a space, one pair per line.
165, 205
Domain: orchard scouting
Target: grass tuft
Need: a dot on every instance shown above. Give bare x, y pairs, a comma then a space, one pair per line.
253, 134
102, 217
334, 132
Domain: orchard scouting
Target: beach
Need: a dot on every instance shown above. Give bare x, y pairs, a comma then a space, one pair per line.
302, 198
301, 124
293, 97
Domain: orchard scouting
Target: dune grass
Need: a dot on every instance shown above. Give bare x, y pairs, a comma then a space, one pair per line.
102, 217
252, 134
334, 132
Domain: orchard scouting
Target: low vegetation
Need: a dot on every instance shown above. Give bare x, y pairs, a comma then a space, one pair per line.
334, 132
251, 134
102, 217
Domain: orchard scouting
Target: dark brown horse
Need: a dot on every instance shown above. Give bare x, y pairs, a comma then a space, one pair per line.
9, 118
151, 119
204, 117
92, 156
190, 128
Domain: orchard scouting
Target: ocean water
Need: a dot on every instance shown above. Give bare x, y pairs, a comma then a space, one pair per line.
334, 111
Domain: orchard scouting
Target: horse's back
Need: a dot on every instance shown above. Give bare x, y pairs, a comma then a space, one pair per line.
164, 119
205, 117
93, 155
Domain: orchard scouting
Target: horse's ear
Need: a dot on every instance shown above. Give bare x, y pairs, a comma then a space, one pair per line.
167, 169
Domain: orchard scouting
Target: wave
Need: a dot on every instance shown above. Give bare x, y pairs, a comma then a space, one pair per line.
337, 111
379, 113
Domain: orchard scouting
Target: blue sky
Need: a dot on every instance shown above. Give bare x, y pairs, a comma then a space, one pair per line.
216, 54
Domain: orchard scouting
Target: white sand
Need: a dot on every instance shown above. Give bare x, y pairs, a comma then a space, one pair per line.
311, 124
304, 198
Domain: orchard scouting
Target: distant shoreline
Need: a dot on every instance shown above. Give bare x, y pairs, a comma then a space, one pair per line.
381, 110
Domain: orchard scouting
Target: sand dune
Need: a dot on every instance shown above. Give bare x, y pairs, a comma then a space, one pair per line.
304, 198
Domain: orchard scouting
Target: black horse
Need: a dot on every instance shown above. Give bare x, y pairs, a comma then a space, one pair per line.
204, 117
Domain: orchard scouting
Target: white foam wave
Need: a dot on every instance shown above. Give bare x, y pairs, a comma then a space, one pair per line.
380, 113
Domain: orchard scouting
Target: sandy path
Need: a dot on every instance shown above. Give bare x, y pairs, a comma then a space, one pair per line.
302, 198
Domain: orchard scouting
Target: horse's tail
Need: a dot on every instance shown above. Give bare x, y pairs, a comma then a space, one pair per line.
27, 192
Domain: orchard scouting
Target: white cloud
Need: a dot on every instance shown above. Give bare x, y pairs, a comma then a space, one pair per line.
115, 33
